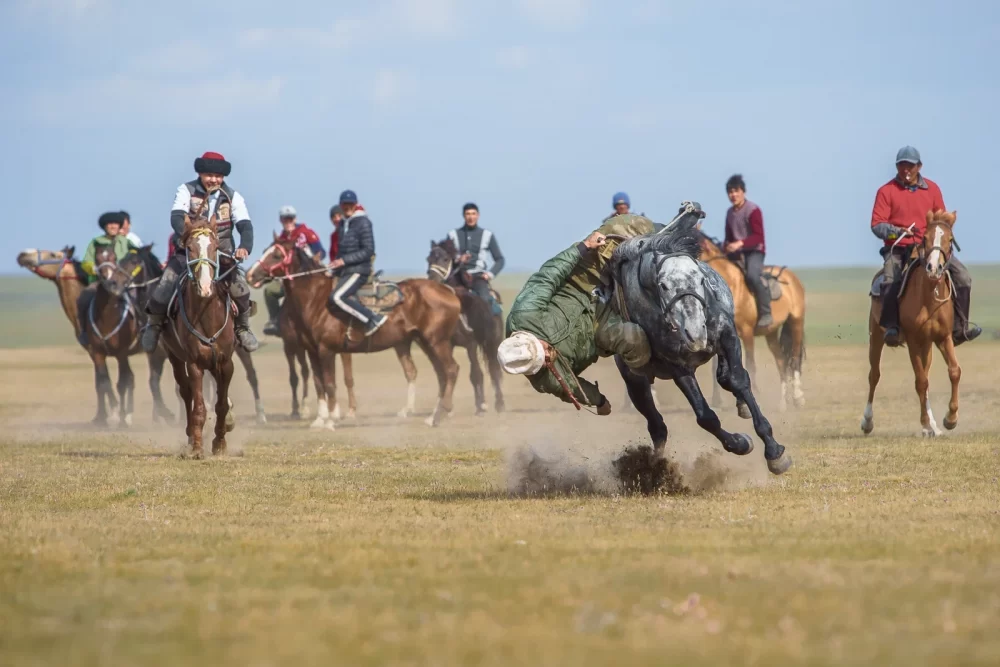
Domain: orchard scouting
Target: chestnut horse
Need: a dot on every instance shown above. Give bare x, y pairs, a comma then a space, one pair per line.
428, 316
201, 336
926, 315
62, 269
785, 338
479, 328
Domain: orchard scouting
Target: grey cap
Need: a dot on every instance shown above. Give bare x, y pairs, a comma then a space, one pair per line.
908, 154
287, 212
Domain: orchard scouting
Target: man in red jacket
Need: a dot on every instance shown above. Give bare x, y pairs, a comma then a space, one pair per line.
308, 242
745, 238
903, 201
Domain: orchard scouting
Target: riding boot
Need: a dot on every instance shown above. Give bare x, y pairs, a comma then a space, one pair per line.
890, 315
245, 337
272, 299
151, 335
762, 295
963, 331
375, 324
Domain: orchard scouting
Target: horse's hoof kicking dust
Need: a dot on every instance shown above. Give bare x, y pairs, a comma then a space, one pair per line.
781, 464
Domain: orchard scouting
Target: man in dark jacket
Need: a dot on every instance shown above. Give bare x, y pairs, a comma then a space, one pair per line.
353, 264
745, 239
473, 244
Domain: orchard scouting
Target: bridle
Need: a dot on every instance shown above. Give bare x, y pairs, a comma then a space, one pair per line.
441, 270
283, 265
64, 261
192, 264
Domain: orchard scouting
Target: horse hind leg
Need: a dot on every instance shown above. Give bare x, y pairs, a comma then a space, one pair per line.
125, 387
774, 344
477, 378
352, 401
293, 381
251, 371
410, 371
102, 385
639, 390
443, 361
160, 409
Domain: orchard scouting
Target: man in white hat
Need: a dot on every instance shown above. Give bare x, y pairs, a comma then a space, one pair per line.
308, 241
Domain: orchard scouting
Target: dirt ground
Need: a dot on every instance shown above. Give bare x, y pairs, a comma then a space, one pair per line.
389, 541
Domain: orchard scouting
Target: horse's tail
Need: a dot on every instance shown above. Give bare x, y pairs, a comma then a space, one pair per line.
786, 340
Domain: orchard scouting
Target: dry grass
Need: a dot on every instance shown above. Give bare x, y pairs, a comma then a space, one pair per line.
392, 542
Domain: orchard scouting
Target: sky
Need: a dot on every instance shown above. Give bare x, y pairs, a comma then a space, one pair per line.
537, 110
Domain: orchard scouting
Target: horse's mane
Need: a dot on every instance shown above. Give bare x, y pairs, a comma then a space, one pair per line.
448, 244
941, 215
711, 240
150, 262
682, 239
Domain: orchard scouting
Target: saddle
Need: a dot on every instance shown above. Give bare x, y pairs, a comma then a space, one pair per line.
378, 295
771, 275
463, 279
879, 278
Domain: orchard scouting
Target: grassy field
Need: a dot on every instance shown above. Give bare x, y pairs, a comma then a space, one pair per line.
389, 542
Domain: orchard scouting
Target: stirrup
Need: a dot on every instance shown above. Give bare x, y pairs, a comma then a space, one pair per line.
892, 337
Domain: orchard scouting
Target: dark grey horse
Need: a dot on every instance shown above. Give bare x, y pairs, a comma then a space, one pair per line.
686, 310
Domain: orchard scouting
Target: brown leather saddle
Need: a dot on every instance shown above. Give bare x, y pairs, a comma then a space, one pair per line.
771, 275
378, 295
879, 278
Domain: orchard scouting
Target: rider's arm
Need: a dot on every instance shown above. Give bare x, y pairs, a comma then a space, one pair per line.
552, 275
881, 227
498, 260
87, 263
241, 220
314, 244
182, 204
755, 239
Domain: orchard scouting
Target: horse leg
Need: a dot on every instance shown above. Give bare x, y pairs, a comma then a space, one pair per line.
947, 347
335, 412
410, 371
160, 410
778, 460
774, 344
327, 361
293, 380
639, 390
476, 378
183, 385
196, 378
442, 357
716, 393
304, 369
737, 443
920, 358
258, 403
322, 411
126, 386
798, 345
352, 400
748, 345
102, 384
875, 346
223, 376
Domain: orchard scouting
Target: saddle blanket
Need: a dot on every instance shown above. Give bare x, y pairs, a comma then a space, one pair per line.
380, 296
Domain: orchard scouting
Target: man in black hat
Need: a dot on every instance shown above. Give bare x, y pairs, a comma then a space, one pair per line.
475, 246
208, 195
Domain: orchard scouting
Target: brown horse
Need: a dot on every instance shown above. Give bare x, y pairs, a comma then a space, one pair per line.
112, 325
478, 330
785, 338
428, 316
926, 315
201, 336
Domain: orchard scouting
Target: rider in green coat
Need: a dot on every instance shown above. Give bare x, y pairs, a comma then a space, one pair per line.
556, 323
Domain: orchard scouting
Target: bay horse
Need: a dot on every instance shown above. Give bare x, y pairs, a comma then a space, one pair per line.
785, 337
926, 315
60, 267
428, 316
201, 336
478, 329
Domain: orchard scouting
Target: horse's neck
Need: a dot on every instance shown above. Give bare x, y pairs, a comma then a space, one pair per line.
69, 291
309, 293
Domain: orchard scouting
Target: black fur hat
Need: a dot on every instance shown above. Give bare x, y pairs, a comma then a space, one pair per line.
212, 163
111, 218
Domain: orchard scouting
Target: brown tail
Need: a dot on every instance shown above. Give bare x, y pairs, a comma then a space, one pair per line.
786, 341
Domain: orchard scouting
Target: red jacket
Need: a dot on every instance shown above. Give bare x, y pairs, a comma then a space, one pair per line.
335, 236
902, 206
303, 237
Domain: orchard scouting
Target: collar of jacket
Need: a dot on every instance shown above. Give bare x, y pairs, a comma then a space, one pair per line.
921, 183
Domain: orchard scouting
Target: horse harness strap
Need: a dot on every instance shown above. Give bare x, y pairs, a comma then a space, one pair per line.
127, 309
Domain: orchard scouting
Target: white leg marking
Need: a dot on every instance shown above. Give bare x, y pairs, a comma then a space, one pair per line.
868, 421
932, 429
336, 412
430, 421
411, 400
261, 415
783, 403
797, 393
322, 414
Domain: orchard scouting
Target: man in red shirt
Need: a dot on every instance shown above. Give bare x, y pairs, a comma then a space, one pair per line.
905, 201
305, 239
745, 238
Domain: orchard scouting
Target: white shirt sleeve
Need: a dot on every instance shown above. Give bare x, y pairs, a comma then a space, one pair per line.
134, 239
239, 211
182, 200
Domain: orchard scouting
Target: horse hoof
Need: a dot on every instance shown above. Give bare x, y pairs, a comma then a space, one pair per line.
867, 425
305, 413
331, 425
930, 432
800, 401
403, 414
218, 448
500, 407
780, 464
431, 421
352, 414
261, 418
742, 444
950, 425
127, 420
196, 455
743, 410
230, 421
318, 423
336, 412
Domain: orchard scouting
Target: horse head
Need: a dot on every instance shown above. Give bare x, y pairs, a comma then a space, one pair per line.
441, 260
112, 277
125, 273
662, 283
44, 263
938, 242
281, 259
200, 241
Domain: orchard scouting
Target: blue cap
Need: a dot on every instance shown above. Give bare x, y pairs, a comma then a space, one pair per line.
348, 197
908, 154
620, 198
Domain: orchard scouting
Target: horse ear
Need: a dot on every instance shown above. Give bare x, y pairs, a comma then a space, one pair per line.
954, 217
275, 235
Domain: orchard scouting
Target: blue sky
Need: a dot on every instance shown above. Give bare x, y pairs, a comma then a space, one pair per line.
538, 110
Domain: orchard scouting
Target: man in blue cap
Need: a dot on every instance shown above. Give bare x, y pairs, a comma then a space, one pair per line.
621, 205
353, 263
905, 201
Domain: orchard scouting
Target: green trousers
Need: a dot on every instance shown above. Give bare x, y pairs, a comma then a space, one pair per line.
273, 293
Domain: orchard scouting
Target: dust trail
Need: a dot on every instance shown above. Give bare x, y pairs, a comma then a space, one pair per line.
687, 467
